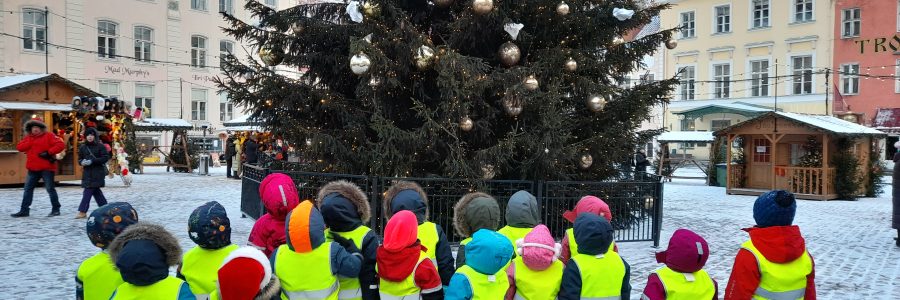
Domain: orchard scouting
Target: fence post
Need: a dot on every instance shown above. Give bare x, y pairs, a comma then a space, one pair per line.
658, 213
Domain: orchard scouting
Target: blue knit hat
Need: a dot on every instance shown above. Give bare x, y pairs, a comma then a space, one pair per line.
775, 208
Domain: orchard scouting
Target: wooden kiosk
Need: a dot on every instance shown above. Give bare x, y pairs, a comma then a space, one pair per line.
49, 97
772, 143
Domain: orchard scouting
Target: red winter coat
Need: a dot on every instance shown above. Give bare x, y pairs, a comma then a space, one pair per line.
779, 244
279, 195
34, 145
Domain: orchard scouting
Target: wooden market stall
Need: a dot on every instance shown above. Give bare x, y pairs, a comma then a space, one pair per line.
179, 146
669, 163
772, 151
49, 97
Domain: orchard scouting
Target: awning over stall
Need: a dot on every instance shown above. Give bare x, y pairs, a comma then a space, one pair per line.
737, 108
38, 106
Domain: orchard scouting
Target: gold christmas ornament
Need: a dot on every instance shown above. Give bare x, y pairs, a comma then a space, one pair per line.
482, 7
487, 172
443, 3
571, 65
596, 103
618, 40
671, 44
374, 81
370, 9
424, 57
271, 56
562, 9
509, 54
531, 83
297, 28
513, 104
586, 161
360, 63
466, 124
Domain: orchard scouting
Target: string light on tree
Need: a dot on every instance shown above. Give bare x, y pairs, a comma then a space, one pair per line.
482, 7
360, 63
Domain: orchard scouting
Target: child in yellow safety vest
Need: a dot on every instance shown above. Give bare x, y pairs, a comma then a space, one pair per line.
522, 214
97, 276
143, 254
210, 228
405, 270
345, 209
595, 272
407, 195
683, 276
484, 275
246, 274
587, 204
536, 272
473, 212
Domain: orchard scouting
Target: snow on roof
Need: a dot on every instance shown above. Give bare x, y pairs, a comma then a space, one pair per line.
158, 122
686, 136
829, 123
734, 106
241, 121
13, 80
35, 106
243, 128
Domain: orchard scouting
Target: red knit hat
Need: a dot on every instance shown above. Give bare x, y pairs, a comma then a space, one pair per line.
401, 231
243, 274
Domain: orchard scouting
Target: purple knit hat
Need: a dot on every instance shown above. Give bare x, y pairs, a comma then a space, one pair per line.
538, 249
687, 252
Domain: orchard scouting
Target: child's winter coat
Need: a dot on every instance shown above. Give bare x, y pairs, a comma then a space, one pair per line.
97, 276
587, 204
405, 270
210, 228
307, 265
345, 209
522, 214
407, 195
683, 276
536, 272
246, 274
473, 212
143, 254
774, 261
279, 195
483, 277
595, 272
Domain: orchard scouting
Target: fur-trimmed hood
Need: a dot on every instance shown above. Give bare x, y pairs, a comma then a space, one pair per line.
272, 290
476, 211
406, 195
35, 122
343, 205
144, 252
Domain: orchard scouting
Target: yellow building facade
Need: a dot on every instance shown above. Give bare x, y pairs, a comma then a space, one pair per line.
738, 58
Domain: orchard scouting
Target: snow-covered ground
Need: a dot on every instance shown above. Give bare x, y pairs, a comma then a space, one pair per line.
851, 241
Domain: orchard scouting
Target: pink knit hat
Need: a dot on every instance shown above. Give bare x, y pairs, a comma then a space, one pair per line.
589, 204
538, 249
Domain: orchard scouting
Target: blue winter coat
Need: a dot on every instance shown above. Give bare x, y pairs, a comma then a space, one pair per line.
345, 208
593, 234
487, 253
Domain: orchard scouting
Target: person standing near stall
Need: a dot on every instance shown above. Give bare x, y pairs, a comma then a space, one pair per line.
39, 147
229, 155
251, 150
896, 195
92, 155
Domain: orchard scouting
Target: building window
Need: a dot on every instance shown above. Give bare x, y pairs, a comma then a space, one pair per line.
143, 97
226, 6
719, 124
226, 109
803, 10
106, 39
198, 51
687, 77
802, 69
722, 78
109, 88
897, 75
271, 3
760, 13
198, 5
688, 125
759, 78
851, 19
34, 30
687, 25
225, 48
762, 151
850, 79
723, 19
648, 78
143, 42
198, 104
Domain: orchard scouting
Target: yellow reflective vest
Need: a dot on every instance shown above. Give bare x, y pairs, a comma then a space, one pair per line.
306, 276
405, 289
428, 236
168, 288
350, 287
200, 268
537, 285
686, 286
514, 233
601, 275
780, 281
573, 246
99, 277
486, 287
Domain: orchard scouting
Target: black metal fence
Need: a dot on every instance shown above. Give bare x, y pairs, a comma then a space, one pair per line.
635, 199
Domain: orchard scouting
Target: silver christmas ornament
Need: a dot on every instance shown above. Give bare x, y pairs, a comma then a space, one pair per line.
370, 9
571, 65
671, 44
487, 172
596, 103
586, 161
443, 3
513, 104
509, 54
270, 56
466, 124
562, 9
424, 57
482, 7
360, 63
531, 83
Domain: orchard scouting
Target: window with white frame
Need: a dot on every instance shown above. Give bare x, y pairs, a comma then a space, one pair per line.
718, 124
198, 104
198, 5
723, 19
106, 39
803, 10
850, 79
688, 76
759, 78
143, 97
688, 28
722, 80
143, 43
226, 6
898, 15
802, 69
688, 125
198, 51
34, 30
225, 48
760, 13
851, 19
897, 75
109, 88
226, 108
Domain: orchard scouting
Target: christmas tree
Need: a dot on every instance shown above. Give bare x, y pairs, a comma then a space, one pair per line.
525, 89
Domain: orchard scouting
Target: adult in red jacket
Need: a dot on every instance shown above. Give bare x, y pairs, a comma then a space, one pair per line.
39, 146
774, 264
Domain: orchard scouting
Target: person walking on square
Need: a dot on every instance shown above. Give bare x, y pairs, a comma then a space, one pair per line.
39, 146
92, 155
